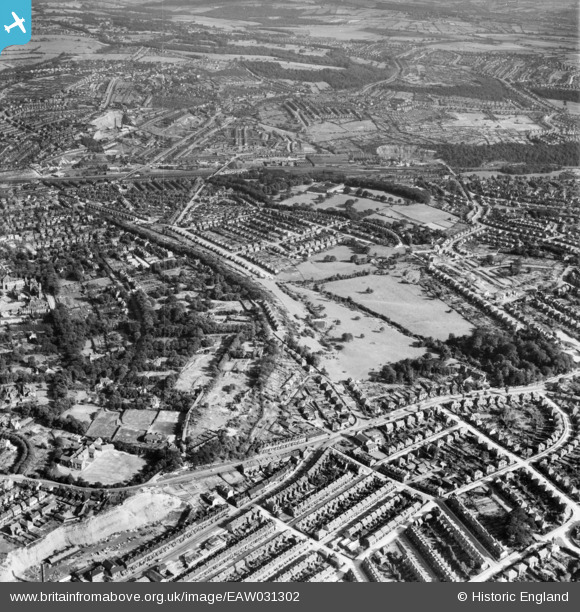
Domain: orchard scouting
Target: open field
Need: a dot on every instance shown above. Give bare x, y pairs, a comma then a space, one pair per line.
317, 269
104, 425
112, 467
404, 303
166, 422
43, 47
374, 343
520, 123
361, 204
82, 413
329, 130
428, 215
194, 374
138, 419
218, 407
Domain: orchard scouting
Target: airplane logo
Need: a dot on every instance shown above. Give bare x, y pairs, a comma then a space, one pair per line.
17, 23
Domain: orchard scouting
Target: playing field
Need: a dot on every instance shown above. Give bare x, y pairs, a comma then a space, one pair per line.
433, 218
112, 467
404, 303
138, 419
165, 423
104, 425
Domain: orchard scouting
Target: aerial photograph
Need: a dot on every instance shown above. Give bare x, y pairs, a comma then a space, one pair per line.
290, 291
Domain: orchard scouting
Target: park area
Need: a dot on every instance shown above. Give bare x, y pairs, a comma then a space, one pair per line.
404, 303
373, 343
316, 268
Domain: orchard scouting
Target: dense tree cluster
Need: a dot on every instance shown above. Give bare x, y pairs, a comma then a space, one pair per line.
533, 154
267, 363
408, 371
403, 191
483, 88
222, 447
356, 75
513, 359
567, 95
24, 449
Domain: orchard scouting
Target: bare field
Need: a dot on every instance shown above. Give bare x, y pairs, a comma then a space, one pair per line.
404, 303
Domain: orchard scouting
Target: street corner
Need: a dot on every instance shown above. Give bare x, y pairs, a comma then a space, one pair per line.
15, 22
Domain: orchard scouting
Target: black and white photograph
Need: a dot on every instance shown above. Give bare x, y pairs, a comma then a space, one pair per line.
290, 293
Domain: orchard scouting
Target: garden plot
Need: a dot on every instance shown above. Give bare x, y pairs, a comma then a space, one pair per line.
403, 303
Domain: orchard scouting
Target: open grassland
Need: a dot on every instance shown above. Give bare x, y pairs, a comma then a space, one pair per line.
138, 419
373, 345
403, 303
104, 425
317, 269
82, 413
166, 422
428, 215
112, 467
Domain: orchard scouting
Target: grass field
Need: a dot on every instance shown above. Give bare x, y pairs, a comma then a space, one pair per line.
374, 343
433, 218
138, 419
104, 425
404, 303
82, 413
316, 268
112, 467
165, 423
